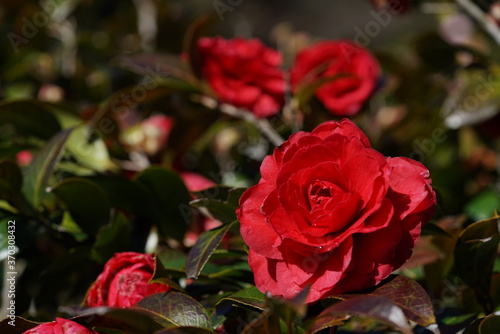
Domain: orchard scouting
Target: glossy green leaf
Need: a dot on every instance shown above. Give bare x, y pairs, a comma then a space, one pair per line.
29, 117
475, 254
377, 308
483, 205
407, 294
127, 320
16, 325
178, 308
247, 297
111, 238
234, 269
37, 174
11, 180
170, 196
410, 297
280, 315
433, 229
473, 328
87, 146
128, 196
206, 244
221, 202
267, 322
86, 202
480, 230
458, 319
161, 275
194, 32
490, 324
69, 225
11, 174
486, 325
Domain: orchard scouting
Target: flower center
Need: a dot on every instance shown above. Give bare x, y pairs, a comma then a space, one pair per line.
321, 192
127, 282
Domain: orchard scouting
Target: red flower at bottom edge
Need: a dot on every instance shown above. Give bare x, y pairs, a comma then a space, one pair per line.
124, 281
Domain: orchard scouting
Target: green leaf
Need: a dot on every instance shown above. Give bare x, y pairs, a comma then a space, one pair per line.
170, 196
483, 205
220, 201
490, 324
433, 229
267, 322
185, 330
407, 294
377, 308
247, 297
42, 167
410, 297
127, 320
234, 269
87, 146
11, 180
69, 225
194, 32
476, 249
29, 117
204, 247
112, 238
458, 319
178, 308
486, 325
161, 275
280, 315
173, 260
129, 196
86, 202
17, 325
11, 174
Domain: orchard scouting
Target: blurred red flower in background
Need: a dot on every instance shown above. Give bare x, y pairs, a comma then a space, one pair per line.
244, 73
124, 281
349, 73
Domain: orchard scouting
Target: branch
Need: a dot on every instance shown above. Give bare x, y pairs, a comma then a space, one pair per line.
261, 123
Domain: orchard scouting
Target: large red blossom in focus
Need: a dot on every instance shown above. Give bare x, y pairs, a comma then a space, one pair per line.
244, 73
60, 326
350, 74
332, 213
124, 281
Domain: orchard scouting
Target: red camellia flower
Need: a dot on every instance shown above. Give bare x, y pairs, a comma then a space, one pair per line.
124, 281
244, 73
60, 326
332, 213
353, 72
